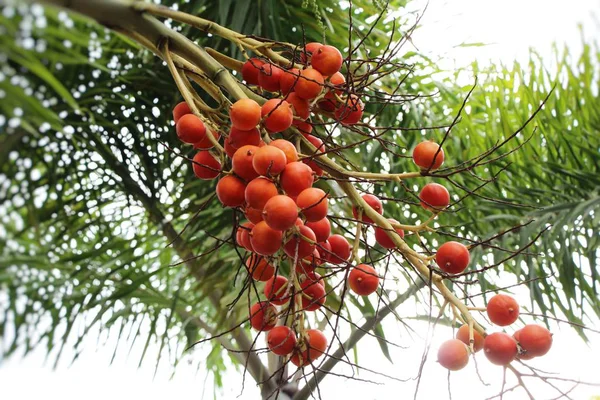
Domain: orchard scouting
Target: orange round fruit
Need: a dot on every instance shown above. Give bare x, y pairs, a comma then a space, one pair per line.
254, 215
383, 238
350, 112
288, 80
327, 60
453, 355
265, 240
340, 249
276, 290
230, 191
428, 155
291, 154
302, 242
315, 344
463, 335
310, 84
280, 212
295, 178
434, 197
263, 316
375, 204
259, 191
535, 340
313, 295
205, 166
180, 110
269, 161
300, 106
242, 162
238, 138
309, 50
190, 129
321, 228
503, 310
245, 114
251, 69
363, 280
269, 77
500, 348
277, 115
281, 340
313, 204
452, 257
243, 235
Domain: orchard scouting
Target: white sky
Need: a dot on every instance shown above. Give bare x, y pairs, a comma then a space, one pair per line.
512, 26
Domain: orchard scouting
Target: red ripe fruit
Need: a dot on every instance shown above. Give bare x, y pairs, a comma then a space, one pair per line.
313, 204
259, 191
363, 280
309, 50
453, 355
254, 215
316, 345
180, 110
313, 295
242, 162
452, 257
321, 228
502, 310
307, 264
280, 212
340, 249
190, 129
325, 251
269, 161
327, 60
434, 197
350, 111
463, 335
238, 138
288, 80
383, 238
291, 154
426, 155
305, 127
229, 149
251, 69
230, 191
535, 340
245, 114
277, 115
263, 316
276, 290
206, 143
300, 106
259, 268
304, 240
310, 84
243, 235
337, 79
269, 77
318, 143
295, 178
265, 240
281, 340
205, 166
500, 348
375, 204
329, 102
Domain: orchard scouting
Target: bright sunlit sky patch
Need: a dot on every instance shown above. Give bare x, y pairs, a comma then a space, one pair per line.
510, 27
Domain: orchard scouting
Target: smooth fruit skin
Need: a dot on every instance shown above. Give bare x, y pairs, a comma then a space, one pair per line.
259, 268
337, 79
316, 345
190, 129
310, 84
453, 355
288, 80
291, 154
375, 204
313, 295
276, 290
280, 212
205, 143
500, 348
243, 235
269, 161
363, 280
300, 106
265, 240
463, 335
350, 112
452, 257
230, 191
535, 340
313, 204
321, 228
254, 215
304, 240
251, 69
241, 162
382, 236
434, 197
180, 110
309, 50
325, 251
263, 316
340, 249
281, 340
327, 60
205, 166
424, 154
277, 115
502, 310
259, 191
245, 114
295, 178
269, 77
238, 138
